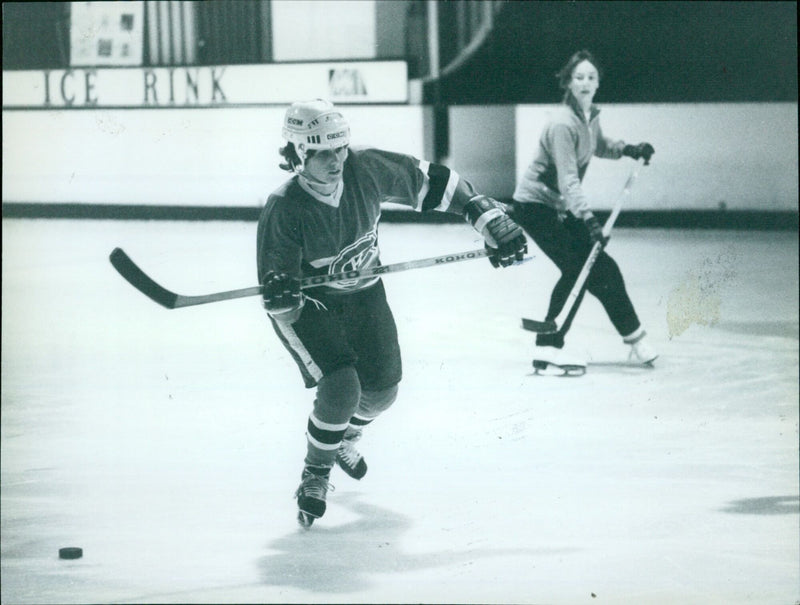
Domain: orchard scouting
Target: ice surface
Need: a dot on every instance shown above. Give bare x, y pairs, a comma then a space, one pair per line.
168, 444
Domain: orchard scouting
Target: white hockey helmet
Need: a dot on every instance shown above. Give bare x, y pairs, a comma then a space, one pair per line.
315, 124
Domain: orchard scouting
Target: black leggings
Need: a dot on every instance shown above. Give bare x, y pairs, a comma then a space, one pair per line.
567, 243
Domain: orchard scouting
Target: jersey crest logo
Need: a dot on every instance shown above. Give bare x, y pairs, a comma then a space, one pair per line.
361, 254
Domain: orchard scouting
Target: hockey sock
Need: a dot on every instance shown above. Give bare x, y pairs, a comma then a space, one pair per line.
372, 404
356, 425
338, 395
323, 441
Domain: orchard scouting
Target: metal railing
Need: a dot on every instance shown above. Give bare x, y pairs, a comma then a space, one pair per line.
463, 26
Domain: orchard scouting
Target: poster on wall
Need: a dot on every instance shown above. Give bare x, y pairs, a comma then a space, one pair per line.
106, 33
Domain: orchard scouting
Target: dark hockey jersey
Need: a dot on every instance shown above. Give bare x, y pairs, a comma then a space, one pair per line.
302, 235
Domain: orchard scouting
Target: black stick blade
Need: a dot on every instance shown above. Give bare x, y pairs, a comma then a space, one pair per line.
541, 327
140, 280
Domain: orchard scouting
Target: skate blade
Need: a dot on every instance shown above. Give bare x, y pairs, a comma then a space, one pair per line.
550, 369
305, 520
650, 363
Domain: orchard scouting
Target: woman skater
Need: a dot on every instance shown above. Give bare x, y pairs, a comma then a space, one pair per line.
550, 205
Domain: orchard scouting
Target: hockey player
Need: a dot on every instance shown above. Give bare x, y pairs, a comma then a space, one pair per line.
551, 206
342, 335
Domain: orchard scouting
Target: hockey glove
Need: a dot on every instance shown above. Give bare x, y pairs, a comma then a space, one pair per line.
504, 239
642, 150
595, 230
281, 294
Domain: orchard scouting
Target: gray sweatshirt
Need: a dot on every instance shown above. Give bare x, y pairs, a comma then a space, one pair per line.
566, 146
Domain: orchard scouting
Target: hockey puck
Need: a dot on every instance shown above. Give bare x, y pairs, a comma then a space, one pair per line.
70, 552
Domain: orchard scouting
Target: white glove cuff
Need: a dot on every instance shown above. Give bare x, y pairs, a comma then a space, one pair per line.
485, 218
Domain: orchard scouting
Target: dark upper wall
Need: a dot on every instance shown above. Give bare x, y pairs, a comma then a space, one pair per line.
661, 51
35, 35
652, 52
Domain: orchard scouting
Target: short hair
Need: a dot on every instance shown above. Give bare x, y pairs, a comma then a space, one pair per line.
564, 75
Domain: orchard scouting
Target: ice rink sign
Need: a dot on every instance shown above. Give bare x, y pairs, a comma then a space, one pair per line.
206, 86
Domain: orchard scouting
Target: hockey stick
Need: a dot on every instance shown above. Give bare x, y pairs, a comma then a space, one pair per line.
554, 325
147, 286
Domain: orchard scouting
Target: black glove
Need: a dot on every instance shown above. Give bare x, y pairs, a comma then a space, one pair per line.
595, 230
281, 293
642, 150
504, 239
509, 242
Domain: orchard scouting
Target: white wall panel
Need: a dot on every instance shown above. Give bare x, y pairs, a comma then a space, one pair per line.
317, 30
210, 157
732, 155
742, 156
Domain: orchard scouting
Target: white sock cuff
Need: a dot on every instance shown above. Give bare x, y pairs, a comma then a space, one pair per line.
327, 426
634, 336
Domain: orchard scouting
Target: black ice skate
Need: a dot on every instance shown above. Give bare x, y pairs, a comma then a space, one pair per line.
349, 458
311, 494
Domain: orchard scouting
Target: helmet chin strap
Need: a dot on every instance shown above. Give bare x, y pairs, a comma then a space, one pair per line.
300, 150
